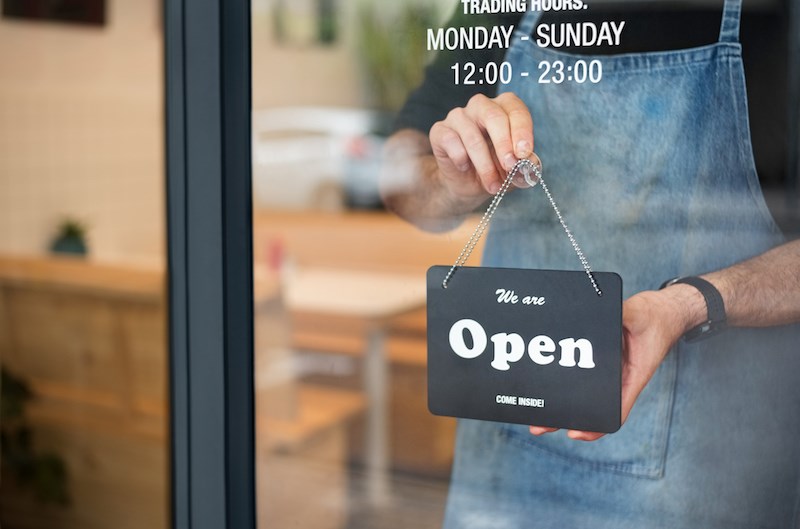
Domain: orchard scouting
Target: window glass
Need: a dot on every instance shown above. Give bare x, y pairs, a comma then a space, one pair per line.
343, 428
381, 131
82, 274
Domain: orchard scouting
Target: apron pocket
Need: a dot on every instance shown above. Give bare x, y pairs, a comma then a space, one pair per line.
638, 449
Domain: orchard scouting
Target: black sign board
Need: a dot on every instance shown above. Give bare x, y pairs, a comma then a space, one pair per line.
525, 346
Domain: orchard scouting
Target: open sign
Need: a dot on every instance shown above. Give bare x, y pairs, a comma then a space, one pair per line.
525, 346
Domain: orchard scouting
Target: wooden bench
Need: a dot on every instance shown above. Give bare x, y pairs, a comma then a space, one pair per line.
90, 339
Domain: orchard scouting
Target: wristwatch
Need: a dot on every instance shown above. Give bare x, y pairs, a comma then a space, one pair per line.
716, 320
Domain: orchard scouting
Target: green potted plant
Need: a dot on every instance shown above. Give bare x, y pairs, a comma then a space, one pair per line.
70, 238
42, 474
393, 49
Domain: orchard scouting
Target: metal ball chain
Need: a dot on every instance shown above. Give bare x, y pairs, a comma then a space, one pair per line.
484, 222
525, 165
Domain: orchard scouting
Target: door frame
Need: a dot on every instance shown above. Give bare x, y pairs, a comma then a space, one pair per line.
209, 215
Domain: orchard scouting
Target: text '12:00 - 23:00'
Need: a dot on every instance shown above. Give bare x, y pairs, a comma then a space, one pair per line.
556, 72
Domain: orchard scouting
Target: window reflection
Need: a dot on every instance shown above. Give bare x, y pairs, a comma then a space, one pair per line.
340, 323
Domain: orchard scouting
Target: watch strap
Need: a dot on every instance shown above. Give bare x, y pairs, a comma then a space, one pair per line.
716, 319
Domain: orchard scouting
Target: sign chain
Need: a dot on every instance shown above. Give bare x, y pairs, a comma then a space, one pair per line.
526, 167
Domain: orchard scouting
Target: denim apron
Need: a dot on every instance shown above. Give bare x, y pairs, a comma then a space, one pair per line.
652, 168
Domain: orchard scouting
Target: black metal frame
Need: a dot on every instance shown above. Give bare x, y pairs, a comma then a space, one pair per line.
793, 65
210, 263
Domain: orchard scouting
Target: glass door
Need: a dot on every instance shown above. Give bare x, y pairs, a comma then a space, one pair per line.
298, 335
344, 436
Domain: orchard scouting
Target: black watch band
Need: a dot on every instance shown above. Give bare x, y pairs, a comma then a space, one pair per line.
716, 319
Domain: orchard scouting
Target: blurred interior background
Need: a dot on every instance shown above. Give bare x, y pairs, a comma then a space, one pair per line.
344, 435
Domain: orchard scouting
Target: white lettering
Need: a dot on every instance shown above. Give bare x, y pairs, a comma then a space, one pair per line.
507, 348
579, 34
528, 401
480, 7
557, 5
510, 347
506, 399
568, 347
505, 296
541, 344
435, 39
458, 344
532, 300
470, 38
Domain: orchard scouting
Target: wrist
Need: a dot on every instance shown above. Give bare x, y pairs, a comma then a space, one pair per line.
689, 306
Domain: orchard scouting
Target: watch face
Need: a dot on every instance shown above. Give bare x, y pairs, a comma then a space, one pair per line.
705, 330
668, 282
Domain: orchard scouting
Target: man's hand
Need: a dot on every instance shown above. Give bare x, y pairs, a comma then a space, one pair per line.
652, 323
475, 146
434, 181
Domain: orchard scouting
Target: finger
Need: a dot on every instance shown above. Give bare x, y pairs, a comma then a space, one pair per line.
448, 149
520, 123
580, 435
540, 430
492, 118
477, 147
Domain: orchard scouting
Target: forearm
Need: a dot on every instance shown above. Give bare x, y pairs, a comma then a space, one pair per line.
411, 186
760, 292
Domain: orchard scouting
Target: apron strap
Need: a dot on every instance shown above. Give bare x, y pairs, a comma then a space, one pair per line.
731, 15
528, 22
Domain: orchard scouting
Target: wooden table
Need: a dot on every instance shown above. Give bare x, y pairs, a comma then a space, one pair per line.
372, 298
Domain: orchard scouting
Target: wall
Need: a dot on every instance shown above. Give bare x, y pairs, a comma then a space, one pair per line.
81, 121
292, 75
81, 132
289, 75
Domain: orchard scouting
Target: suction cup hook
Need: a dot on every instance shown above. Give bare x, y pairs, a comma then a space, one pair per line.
528, 174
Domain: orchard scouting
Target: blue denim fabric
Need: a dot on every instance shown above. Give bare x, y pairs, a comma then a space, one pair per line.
653, 171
